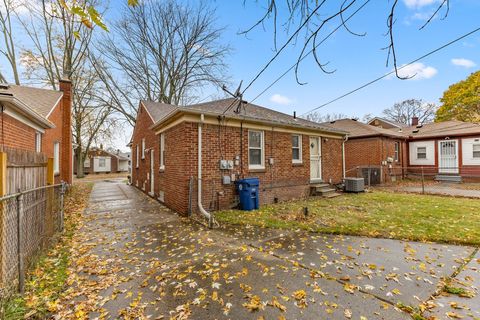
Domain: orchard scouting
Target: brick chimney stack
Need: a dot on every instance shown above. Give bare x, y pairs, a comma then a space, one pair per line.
415, 121
66, 154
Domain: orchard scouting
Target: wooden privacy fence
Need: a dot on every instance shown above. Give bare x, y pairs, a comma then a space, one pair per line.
31, 212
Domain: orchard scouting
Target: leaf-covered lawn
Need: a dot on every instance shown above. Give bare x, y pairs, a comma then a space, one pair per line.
374, 214
46, 280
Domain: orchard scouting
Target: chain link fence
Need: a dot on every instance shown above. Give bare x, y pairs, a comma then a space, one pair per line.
448, 181
28, 222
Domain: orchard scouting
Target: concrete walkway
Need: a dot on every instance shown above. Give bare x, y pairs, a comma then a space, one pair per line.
139, 260
445, 189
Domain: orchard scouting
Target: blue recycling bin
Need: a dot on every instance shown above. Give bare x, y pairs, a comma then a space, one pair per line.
248, 192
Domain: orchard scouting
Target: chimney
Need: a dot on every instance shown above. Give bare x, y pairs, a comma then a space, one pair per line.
66, 156
414, 121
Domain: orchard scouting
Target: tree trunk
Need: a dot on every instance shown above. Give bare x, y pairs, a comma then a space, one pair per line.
80, 161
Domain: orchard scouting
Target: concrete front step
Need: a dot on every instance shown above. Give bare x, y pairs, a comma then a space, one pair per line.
322, 189
448, 178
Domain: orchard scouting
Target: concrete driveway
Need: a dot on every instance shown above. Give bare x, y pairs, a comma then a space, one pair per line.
137, 260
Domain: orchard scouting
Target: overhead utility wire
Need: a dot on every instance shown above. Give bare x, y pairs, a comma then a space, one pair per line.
311, 50
392, 72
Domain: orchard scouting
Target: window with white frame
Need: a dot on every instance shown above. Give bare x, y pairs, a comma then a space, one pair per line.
476, 151
421, 152
143, 148
255, 149
296, 148
137, 158
162, 151
38, 142
396, 156
102, 163
86, 162
56, 157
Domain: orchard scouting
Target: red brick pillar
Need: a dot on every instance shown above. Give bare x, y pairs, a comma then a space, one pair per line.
66, 163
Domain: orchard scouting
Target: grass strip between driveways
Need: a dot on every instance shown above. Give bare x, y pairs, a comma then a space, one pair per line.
47, 277
373, 214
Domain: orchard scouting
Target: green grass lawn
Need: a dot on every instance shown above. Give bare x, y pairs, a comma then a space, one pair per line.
373, 214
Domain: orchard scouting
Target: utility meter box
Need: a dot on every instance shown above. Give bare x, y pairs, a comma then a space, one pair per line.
226, 164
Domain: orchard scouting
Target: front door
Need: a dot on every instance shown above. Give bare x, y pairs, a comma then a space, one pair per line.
152, 173
315, 159
448, 156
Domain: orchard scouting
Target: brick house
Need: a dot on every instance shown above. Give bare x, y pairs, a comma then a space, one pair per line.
287, 154
104, 161
373, 152
39, 120
450, 150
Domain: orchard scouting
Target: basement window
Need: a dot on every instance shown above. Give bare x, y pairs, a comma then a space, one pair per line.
476, 151
421, 152
256, 150
296, 148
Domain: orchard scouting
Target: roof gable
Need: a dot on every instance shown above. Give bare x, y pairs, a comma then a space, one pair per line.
360, 129
42, 101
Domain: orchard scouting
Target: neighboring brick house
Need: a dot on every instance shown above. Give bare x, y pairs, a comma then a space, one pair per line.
373, 150
450, 149
103, 161
287, 154
39, 120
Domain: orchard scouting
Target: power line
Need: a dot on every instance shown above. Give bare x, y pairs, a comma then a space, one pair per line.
392, 72
309, 52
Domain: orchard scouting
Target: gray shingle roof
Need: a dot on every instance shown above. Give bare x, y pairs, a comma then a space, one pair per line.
158, 110
443, 129
42, 101
254, 112
358, 129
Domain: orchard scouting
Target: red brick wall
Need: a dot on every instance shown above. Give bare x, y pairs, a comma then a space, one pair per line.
66, 153
281, 181
364, 152
16, 134
141, 174
61, 118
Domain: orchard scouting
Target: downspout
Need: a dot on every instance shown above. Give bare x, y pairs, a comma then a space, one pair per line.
207, 215
343, 157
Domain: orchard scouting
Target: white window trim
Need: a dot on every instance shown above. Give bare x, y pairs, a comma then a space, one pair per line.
143, 148
162, 151
396, 155
473, 151
137, 158
38, 142
56, 157
297, 161
418, 147
262, 151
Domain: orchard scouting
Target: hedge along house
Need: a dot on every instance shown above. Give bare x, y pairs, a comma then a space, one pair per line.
450, 150
39, 120
219, 142
377, 154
